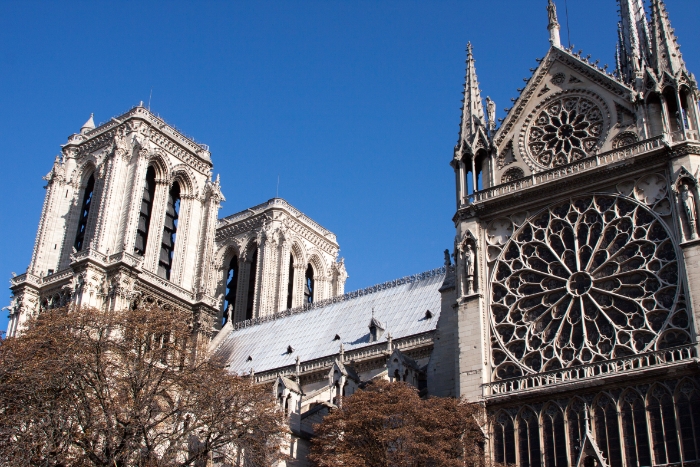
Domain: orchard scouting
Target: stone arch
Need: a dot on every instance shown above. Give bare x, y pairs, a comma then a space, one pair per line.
660, 407
553, 434
222, 259
317, 263
503, 435
634, 424
575, 415
298, 252
184, 176
81, 173
528, 440
655, 114
160, 164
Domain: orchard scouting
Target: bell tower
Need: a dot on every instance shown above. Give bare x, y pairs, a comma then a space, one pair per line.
129, 214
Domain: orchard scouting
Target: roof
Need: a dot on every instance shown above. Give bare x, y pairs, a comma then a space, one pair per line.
400, 304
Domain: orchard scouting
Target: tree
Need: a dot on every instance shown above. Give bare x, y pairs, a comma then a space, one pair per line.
85, 387
388, 424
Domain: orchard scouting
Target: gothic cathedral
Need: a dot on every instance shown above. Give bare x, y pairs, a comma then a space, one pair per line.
571, 310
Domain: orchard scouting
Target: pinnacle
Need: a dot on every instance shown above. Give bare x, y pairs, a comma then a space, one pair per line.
89, 125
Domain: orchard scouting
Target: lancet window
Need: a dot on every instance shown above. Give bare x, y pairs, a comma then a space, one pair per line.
84, 213
634, 429
529, 439
149, 191
554, 437
251, 284
290, 283
504, 439
662, 421
231, 290
309, 285
607, 430
577, 429
167, 247
688, 405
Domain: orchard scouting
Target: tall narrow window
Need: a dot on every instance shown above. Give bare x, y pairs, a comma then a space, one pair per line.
554, 437
149, 190
662, 420
309, 287
689, 421
529, 439
607, 431
577, 429
84, 212
167, 246
231, 290
634, 429
251, 285
504, 440
290, 283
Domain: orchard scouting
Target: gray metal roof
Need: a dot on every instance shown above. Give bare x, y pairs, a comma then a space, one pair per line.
400, 304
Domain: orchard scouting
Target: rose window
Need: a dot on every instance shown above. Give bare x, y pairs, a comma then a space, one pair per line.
587, 280
564, 131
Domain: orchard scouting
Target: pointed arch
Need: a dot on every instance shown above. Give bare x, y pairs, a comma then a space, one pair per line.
662, 424
86, 202
503, 432
296, 259
576, 424
607, 428
315, 273
687, 398
635, 433
528, 438
553, 435
145, 211
655, 114
186, 179
161, 165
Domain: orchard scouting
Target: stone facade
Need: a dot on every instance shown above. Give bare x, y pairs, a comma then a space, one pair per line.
570, 311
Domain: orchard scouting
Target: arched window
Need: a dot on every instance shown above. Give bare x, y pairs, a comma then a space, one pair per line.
167, 246
528, 439
634, 429
689, 420
231, 289
251, 284
504, 439
149, 190
290, 282
662, 421
675, 119
84, 212
309, 285
577, 429
607, 431
654, 113
554, 437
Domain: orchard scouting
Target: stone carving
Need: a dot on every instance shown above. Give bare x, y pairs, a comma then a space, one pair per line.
624, 139
567, 129
558, 79
469, 267
491, 111
447, 258
512, 174
552, 13
593, 278
689, 207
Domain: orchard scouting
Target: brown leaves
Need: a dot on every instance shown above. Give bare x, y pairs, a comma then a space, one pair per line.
85, 387
387, 424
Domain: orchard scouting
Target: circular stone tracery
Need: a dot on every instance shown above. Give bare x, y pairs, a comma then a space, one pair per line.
567, 129
591, 279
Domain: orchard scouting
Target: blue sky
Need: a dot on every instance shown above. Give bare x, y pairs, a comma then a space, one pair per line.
354, 105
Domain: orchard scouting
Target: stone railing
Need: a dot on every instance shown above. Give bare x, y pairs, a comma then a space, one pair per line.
657, 358
271, 203
363, 353
341, 298
583, 165
168, 286
57, 276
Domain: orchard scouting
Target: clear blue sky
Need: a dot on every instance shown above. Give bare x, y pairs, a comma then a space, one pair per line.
354, 104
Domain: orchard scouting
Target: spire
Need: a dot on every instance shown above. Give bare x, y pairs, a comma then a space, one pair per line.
665, 51
553, 25
633, 39
472, 109
87, 126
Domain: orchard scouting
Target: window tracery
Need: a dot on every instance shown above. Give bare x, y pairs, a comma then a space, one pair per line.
634, 429
607, 431
554, 436
528, 439
585, 280
662, 422
512, 174
504, 439
565, 129
688, 406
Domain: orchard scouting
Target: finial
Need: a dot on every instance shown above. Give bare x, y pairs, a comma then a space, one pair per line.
87, 126
342, 352
389, 343
553, 25
297, 368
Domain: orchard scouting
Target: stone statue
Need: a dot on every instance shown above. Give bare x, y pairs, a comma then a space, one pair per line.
447, 258
552, 13
689, 205
469, 267
229, 313
491, 111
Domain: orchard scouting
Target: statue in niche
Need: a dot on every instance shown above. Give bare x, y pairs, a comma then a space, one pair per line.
689, 205
469, 267
491, 112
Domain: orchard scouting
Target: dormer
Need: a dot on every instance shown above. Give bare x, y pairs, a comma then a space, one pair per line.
376, 329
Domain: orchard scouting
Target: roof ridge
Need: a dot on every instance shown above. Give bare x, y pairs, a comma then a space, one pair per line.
341, 298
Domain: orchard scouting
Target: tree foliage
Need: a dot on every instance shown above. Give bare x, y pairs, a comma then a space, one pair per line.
85, 387
388, 424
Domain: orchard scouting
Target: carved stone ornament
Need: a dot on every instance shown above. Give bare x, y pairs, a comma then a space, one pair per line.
512, 174
686, 192
624, 139
565, 128
585, 280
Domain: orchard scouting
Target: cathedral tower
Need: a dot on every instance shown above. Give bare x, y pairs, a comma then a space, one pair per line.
577, 288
